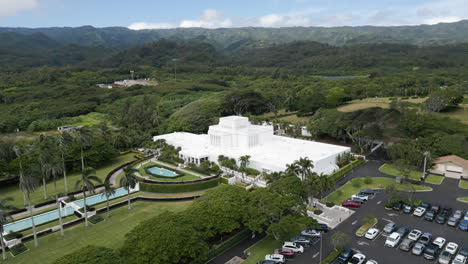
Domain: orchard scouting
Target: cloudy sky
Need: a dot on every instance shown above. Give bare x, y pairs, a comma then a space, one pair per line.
142, 14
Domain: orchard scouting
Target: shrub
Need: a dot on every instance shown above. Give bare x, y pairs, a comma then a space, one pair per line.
330, 204
332, 256
223, 180
178, 188
318, 212
368, 180
250, 171
13, 235
95, 219
356, 183
18, 249
346, 169
389, 205
90, 255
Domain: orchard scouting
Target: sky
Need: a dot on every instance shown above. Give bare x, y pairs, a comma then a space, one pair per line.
145, 14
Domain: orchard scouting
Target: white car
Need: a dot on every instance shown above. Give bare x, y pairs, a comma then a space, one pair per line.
294, 247
357, 259
361, 196
371, 233
419, 211
451, 248
459, 259
371, 262
392, 240
311, 233
439, 241
414, 235
277, 258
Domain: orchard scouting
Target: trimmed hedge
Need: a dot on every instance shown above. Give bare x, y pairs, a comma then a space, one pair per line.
337, 175
178, 188
13, 235
223, 180
332, 256
18, 249
95, 219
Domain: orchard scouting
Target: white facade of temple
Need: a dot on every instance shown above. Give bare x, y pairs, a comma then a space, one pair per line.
234, 137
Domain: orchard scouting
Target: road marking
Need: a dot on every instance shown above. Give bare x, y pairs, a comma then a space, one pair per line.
353, 223
315, 255
379, 202
362, 243
392, 214
386, 220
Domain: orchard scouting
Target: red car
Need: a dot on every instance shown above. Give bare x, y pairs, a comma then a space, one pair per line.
350, 204
285, 252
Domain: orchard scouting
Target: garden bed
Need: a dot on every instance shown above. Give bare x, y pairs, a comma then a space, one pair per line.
366, 226
18, 249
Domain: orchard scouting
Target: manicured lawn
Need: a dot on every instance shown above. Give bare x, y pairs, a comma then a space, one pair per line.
463, 184
463, 199
186, 177
382, 102
108, 233
461, 113
38, 196
347, 190
414, 175
262, 248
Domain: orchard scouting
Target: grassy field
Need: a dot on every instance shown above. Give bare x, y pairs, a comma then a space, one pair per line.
414, 175
463, 199
383, 102
347, 190
38, 196
89, 119
108, 233
461, 113
262, 248
463, 184
186, 177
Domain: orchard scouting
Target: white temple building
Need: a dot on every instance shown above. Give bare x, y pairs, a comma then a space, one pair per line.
235, 136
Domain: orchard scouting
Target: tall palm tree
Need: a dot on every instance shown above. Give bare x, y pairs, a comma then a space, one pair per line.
53, 170
108, 192
64, 141
4, 217
19, 152
128, 181
244, 162
44, 155
86, 183
28, 184
84, 138
305, 166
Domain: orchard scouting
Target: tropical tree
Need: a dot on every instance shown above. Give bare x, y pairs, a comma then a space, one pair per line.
64, 141
305, 166
44, 155
53, 170
325, 183
339, 239
87, 184
108, 192
28, 184
128, 181
4, 217
19, 152
84, 138
244, 162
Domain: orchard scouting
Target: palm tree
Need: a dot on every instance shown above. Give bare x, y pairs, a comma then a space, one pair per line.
63, 143
4, 217
84, 138
19, 152
325, 183
53, 170
128, 181
28, 184
44, 158
86, 183
108, 192
305, 166
244, 162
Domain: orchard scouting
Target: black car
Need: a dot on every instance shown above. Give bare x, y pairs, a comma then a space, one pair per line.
435, 208
367, 192
447, 211
426, 205
346, 254
430, 216
408, 208
323, 228
403, 231
266, 262
441, 219
431, 251
397, 206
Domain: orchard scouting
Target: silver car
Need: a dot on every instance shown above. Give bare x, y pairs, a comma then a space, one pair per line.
418, 249
389, 227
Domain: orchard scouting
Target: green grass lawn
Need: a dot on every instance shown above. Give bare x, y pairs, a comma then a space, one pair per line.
347, 190
463, 199
262, 248
108, 233
414, 175
38, 196
186, 177
463, 184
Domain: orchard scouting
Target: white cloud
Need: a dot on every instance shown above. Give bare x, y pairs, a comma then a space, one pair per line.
436, 20
283, 20
143, 25
211, 14
12, 7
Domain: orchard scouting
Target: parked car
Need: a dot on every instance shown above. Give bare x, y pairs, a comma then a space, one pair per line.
393, 239
463, 225
357, 259
418, 249
414, 235
435, 208
429, 216
445, 257
451, 247
425, 205
459, 259
372, 233
311, 233
453, 221
389, 227
408, 208
406, 244
351, 204
323, 228
439, 241
285, 252
431, 251
369, 192
355, 199
425, 238
419, 211
266, 262
294, 247
371, 261
403, 231
397, 206
458, 214
346, 254
301, 240
466, 216
277, 258
447, 211
441, 219
361, 196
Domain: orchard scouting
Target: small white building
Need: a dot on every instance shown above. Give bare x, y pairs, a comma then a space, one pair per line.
235, 136
451, 166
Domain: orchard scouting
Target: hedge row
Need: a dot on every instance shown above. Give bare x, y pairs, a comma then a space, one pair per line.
178, 188
337, 175
223, 180
332, 256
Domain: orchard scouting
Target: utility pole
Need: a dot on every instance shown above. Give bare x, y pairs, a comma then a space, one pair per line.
426, 154
175, 69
